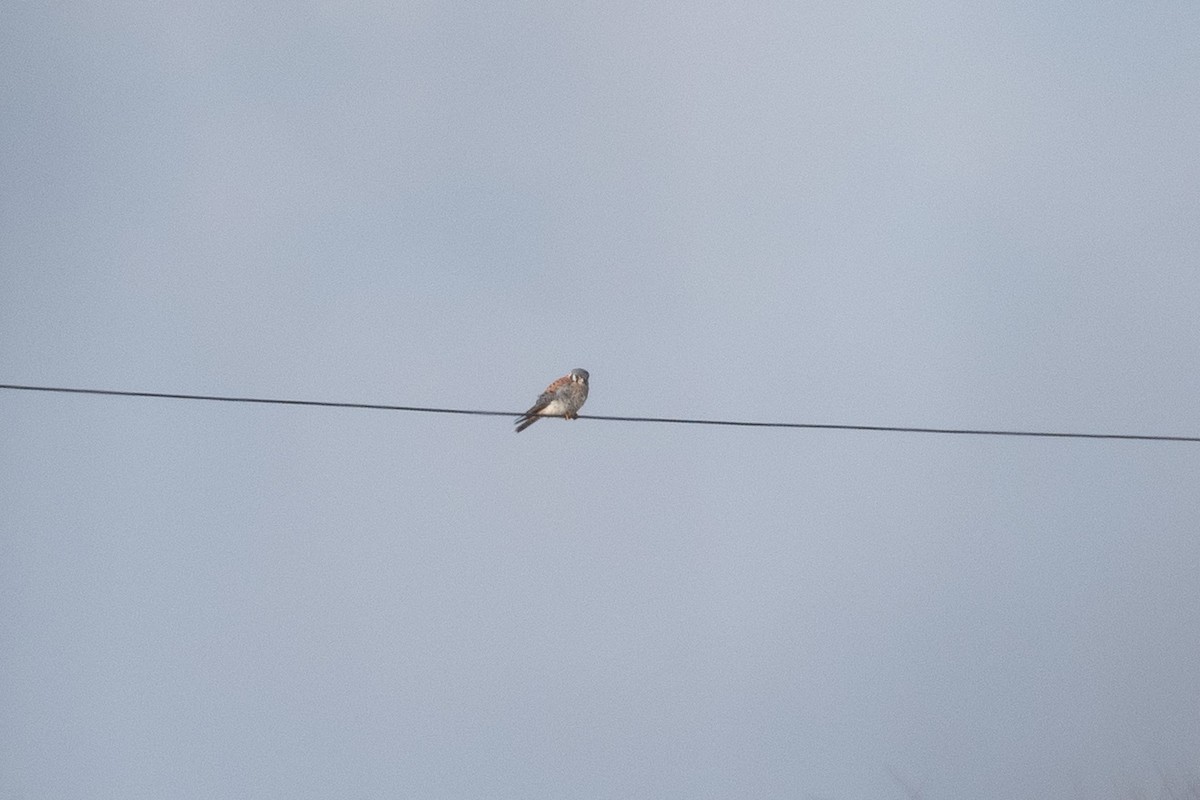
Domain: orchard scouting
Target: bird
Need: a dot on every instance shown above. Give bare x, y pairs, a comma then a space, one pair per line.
564, 397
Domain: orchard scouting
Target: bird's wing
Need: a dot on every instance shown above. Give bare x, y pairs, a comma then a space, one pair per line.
550, 403
556, 387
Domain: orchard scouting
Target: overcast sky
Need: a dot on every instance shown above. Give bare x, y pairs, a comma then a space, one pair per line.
878, 213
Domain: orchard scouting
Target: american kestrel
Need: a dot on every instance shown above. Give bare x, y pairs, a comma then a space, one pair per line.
562, 398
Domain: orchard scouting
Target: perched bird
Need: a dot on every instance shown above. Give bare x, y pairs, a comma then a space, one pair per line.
562, 398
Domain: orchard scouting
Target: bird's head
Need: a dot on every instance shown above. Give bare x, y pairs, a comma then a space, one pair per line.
580, 376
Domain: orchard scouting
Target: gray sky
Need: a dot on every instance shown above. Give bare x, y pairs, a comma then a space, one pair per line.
871, 213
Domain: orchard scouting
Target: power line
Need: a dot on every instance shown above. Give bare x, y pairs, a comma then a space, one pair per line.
260, 400
660, 420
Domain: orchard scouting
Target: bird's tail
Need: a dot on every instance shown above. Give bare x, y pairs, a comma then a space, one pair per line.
525, 421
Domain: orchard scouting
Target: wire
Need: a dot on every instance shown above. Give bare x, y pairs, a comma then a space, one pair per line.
261, 400
661, 420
